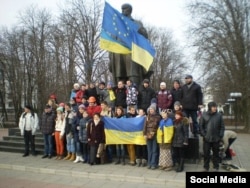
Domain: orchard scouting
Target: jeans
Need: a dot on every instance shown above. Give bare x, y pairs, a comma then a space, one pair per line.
70, 144
79, 148
48, 144
29, 139
120, 151
152, 148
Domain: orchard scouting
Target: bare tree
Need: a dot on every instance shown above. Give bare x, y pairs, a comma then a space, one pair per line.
168, 63
221, 35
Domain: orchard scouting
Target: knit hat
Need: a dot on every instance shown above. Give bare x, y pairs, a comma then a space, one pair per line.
82, 106
152, 106
146, 81
177, 103
60, 109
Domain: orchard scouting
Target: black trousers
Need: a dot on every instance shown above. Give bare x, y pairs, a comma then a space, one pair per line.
141, 152
29, 141
207, 147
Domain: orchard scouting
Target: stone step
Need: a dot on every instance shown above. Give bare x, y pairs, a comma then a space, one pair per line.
18, 149
19, 144
20, 138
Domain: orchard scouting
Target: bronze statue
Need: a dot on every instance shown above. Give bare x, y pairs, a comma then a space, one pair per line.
121, 65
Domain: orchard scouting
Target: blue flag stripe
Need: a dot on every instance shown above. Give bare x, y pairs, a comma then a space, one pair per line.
124, 124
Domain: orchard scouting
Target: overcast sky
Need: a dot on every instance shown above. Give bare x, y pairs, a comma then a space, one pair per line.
170, 14
163, 13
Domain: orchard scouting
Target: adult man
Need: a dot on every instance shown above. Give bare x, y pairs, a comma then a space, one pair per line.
191, 100
122, 66
28, 125
47, 128
212, 130
146, 95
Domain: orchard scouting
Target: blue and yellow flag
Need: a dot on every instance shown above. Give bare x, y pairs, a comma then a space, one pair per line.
120, 35
124, 130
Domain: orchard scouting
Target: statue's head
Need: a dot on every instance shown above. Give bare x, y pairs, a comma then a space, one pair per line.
127, 9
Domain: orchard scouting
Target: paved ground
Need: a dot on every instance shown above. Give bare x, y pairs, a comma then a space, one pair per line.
19, 172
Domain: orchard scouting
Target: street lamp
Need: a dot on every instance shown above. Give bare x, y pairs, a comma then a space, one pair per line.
236, 96
230, 108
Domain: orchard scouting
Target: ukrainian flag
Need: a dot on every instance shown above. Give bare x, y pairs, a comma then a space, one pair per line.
120, 35
124, 130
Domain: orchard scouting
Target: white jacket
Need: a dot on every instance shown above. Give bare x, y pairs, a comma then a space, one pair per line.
34, 122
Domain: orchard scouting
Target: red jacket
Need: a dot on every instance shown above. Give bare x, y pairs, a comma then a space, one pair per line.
93, 109
79, 96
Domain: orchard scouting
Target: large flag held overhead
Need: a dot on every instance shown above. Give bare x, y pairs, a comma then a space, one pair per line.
124, 130
120, 35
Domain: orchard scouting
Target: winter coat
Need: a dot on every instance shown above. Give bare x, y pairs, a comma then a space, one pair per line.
191, 96
121, 94
164, 99
69, 115
48, 122
151, 125
95, 133
32, 118
180, 132
60, 124
132, 96
83, 129
212, 126
146, 94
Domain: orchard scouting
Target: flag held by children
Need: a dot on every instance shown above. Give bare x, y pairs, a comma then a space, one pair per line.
124, 130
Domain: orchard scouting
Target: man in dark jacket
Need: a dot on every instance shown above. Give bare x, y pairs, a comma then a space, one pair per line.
47, 128
146, 95
191, 100
212, 130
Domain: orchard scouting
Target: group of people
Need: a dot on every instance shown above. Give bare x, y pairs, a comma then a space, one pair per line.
75, 131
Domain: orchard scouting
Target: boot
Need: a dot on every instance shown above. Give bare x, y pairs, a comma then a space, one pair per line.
73, 157
81, 159
138, 162
67, 157
180, 167
144, 162
77, 159
118, 161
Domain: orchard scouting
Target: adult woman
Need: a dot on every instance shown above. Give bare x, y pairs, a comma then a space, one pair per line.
180, 139
96, 136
